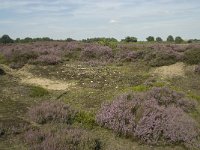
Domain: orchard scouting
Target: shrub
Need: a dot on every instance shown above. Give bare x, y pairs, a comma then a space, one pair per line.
161, 58
129, 39
68, 138
166, 97
18, 58
119, 115
93, 51
159, 39
49, 59
192, 56
170, 125
178, 40
150, 39
197, 69
128, 56
155, 117
37, 91
51, 112
170, 38
5, 39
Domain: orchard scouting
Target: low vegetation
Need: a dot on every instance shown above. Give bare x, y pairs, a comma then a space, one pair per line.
158, 116
99, 94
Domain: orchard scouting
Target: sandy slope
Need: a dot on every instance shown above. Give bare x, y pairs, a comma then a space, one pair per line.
28, 78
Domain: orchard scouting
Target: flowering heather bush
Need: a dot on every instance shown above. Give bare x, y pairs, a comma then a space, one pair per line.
160, 58
192, 56
119, 115
51, 112
128, 56
168, 125
94, 51
155, 117
166, 97
49, 59
65, 139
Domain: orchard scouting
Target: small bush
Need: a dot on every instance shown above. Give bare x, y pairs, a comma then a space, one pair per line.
119, 115
128, 56
93, 51
49, 59
155, 117
51, 112
166, 97
68, 138
192, 56
161, 58
37, 91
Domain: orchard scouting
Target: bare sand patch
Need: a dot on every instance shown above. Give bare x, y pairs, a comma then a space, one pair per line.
47, 83
27, 78
170, 71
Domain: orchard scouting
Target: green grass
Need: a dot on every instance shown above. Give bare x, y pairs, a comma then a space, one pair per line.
37, 91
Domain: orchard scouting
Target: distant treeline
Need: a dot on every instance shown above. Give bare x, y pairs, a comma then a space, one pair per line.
101, 40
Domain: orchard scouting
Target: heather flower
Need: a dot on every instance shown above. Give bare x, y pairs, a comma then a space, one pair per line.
155, 117
67, 138
51, 112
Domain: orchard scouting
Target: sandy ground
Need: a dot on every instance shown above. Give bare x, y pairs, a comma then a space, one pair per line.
174, 70
28, 78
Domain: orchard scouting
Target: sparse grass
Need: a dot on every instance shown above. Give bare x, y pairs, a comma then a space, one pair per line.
37, 91
140, 88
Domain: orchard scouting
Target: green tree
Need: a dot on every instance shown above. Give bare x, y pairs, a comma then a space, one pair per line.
170, 38
150, 39
129, 39
17, 40
159, 39
178, 40
6, 39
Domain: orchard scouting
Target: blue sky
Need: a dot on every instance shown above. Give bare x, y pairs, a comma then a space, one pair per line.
80, 19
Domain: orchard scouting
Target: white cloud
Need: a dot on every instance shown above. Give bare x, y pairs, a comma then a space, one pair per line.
113, 21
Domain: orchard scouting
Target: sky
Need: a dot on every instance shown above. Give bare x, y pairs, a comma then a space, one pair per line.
80, 19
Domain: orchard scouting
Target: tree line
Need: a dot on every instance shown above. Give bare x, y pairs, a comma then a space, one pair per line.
6, 39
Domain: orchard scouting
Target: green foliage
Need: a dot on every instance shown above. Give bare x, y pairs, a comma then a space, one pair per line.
87, 119
159, 84
193, 96
158, 58
150, 39
192, 56
178, 40
159, 39
170, 38
129, 39
29, 40
2, 59
5, 39
37, 91
93, 40
70, 40
140, 88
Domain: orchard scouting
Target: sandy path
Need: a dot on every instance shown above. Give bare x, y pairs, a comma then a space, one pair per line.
170, 71
28, 78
